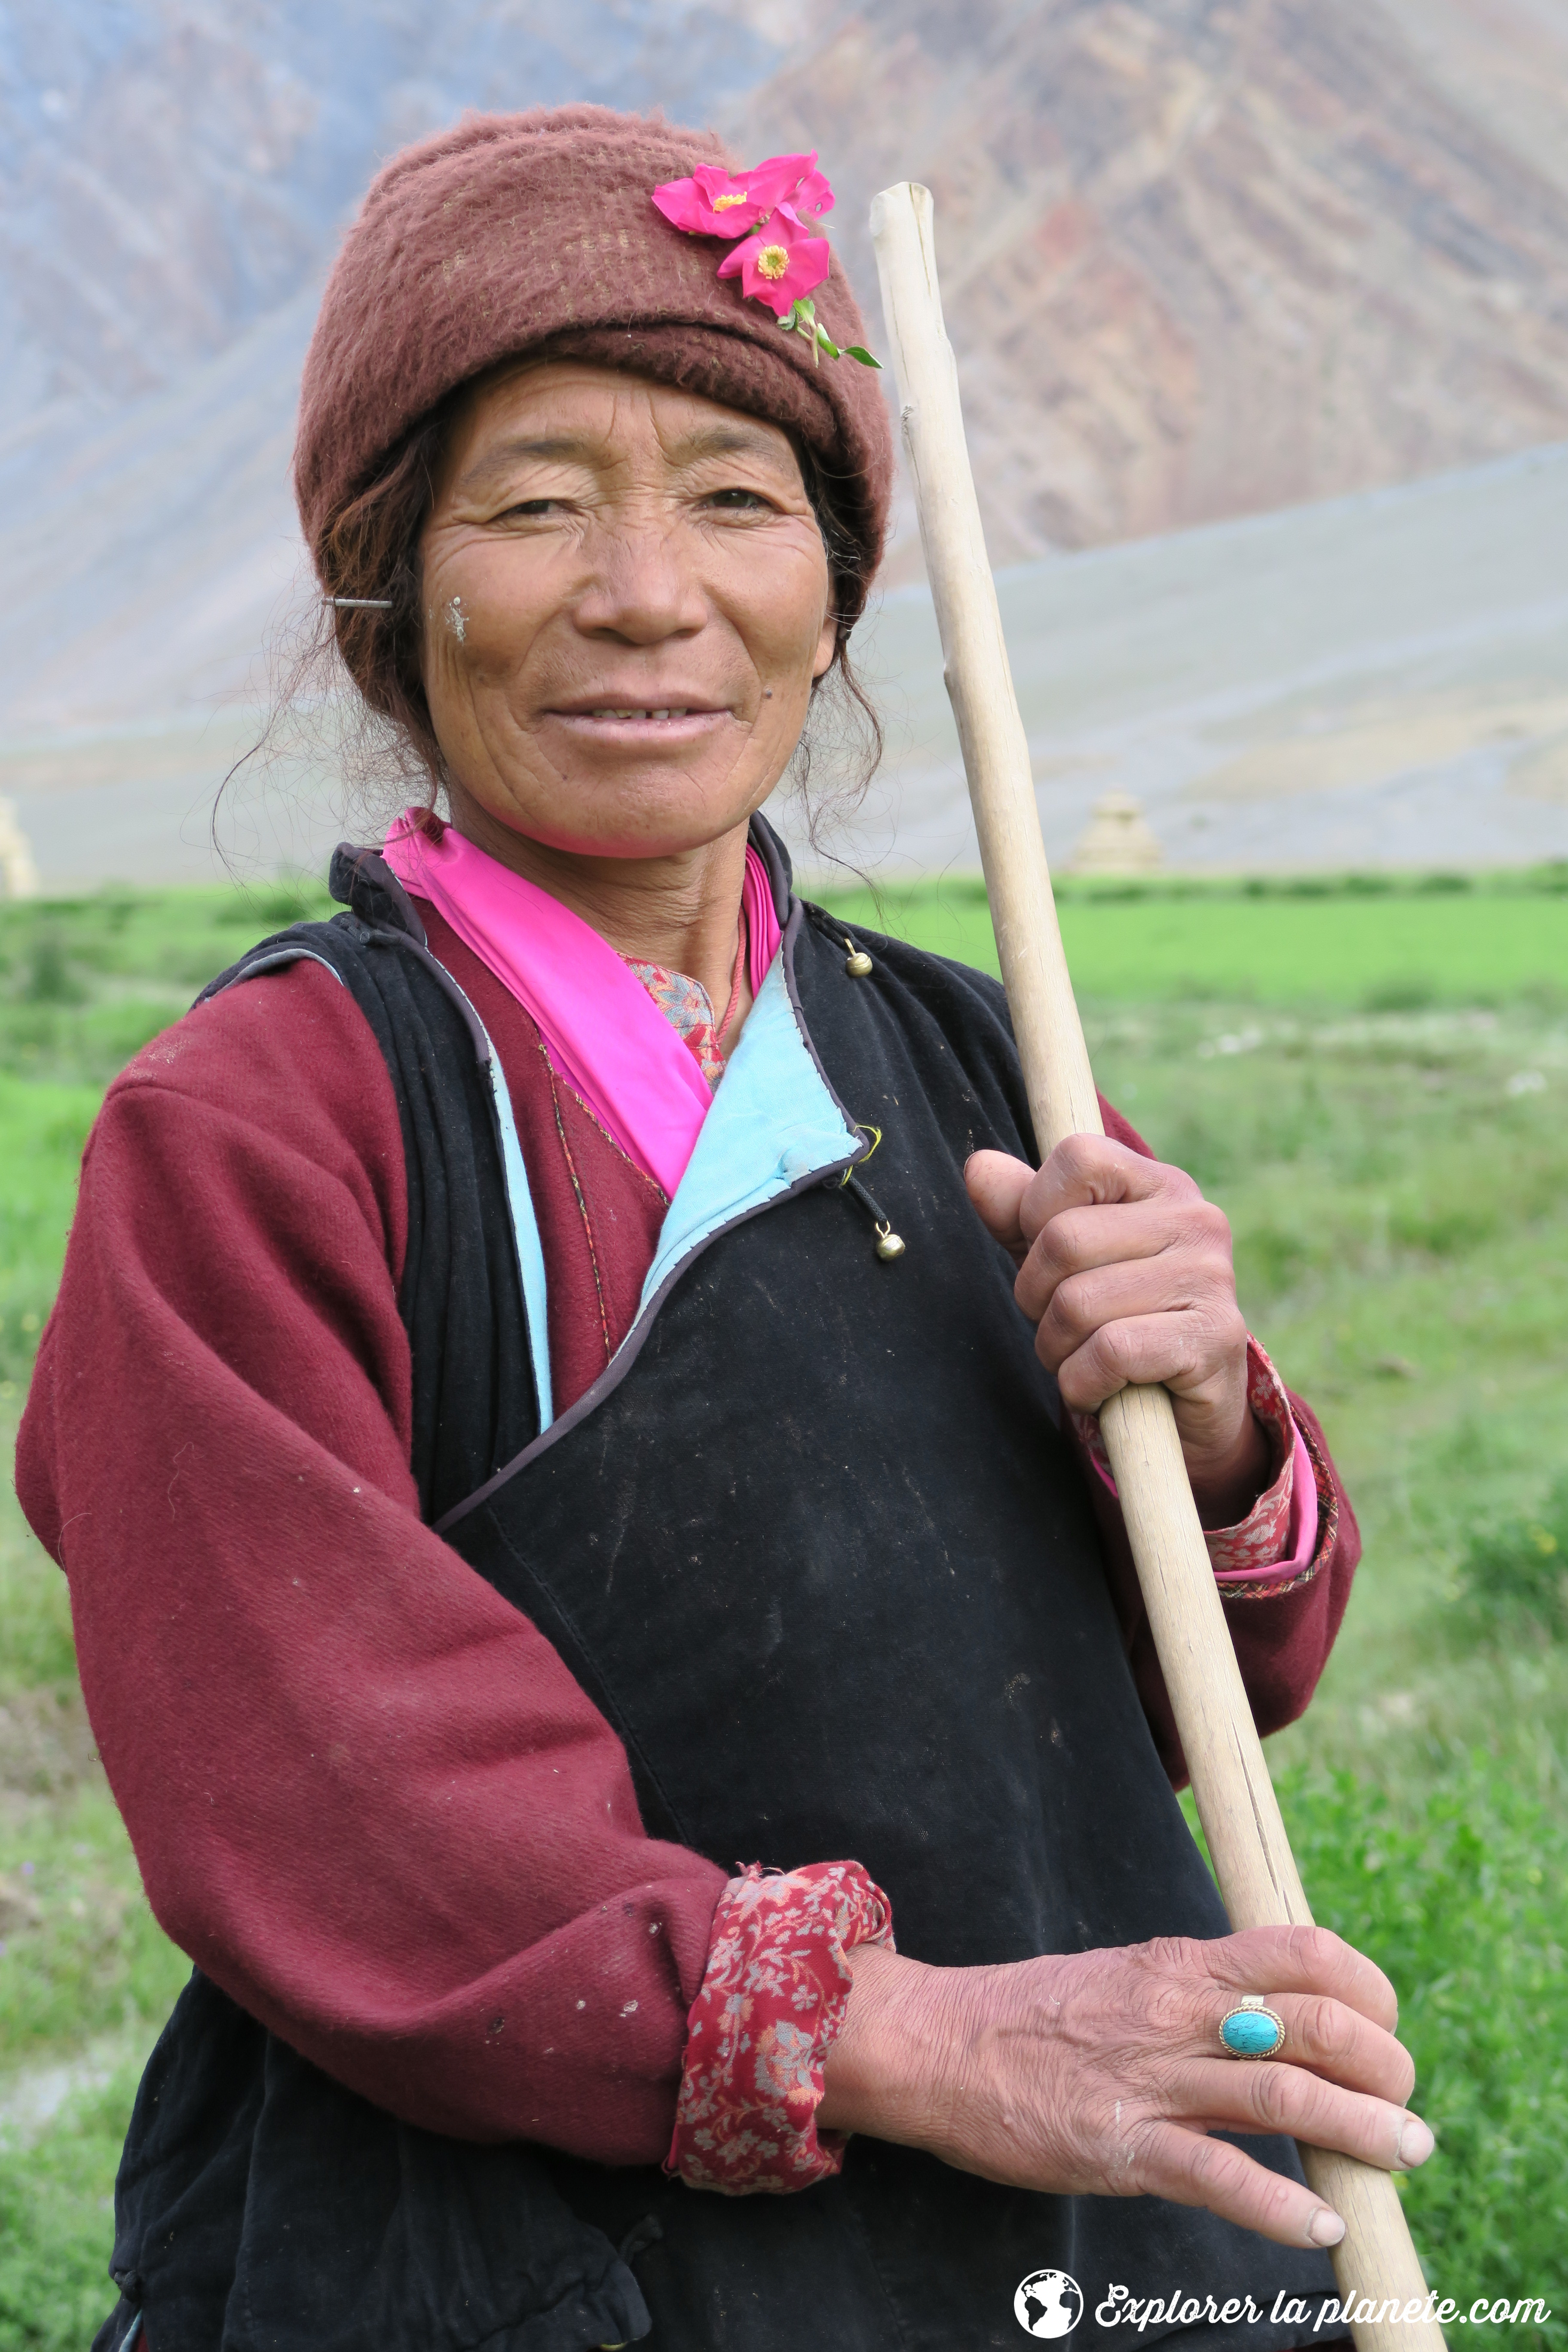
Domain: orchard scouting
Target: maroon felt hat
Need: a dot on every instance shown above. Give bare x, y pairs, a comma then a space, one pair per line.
518, 232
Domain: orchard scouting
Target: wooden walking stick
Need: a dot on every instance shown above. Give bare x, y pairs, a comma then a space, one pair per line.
1236, 1801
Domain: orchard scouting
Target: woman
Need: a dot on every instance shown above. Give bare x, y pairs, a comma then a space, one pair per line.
554, 1582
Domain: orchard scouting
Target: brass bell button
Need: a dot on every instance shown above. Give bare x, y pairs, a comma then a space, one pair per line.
856, 963
888, 1245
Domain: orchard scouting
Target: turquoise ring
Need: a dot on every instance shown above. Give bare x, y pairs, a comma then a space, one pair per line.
1252, 2030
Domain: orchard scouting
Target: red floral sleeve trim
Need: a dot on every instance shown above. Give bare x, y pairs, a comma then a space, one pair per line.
1259, 1540
1263, 1536
769, 2011
1292, 1579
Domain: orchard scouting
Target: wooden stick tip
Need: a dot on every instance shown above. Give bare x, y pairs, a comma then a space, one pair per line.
911, 193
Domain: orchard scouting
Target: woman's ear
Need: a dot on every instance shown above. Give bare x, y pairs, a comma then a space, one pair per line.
826, 647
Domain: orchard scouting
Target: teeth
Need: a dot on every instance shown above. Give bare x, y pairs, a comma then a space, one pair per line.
638, 714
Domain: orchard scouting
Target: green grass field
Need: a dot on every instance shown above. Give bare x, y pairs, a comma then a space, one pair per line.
1367, 942
1375, 1086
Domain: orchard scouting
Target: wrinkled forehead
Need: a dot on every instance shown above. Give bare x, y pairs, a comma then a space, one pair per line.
608, 419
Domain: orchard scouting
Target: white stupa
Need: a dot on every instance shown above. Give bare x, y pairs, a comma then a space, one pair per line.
18, 875
1117, 840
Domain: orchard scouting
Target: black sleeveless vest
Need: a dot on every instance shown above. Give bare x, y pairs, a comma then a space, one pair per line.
813, 1545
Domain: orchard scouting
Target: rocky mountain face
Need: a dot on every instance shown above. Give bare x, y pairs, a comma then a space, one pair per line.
1200, 258
1205, 258
174, 176
171, 170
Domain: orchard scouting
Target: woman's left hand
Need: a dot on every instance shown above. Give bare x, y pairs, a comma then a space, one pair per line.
1126, 1270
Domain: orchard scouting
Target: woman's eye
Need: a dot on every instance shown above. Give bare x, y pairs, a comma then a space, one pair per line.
530, 507
737, 500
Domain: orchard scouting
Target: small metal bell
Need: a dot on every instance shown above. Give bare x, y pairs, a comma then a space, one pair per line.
856, 963
889, 1244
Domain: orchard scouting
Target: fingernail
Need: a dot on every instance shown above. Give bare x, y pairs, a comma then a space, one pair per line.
1324, 2228
1416, 2143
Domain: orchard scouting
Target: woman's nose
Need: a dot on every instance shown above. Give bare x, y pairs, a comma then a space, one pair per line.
643, 585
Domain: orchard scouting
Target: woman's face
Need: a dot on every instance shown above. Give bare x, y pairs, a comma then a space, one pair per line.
627, 601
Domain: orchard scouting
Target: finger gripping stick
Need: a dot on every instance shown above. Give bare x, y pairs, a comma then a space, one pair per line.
1236, 1801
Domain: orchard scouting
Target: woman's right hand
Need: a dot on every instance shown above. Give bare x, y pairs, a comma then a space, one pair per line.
1103, 2073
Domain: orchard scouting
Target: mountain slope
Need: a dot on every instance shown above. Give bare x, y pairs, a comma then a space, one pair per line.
170, 169
174, 176
1378, 680
1199, 260
1204, 258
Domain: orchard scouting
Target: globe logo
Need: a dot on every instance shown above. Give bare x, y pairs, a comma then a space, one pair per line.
1048, 2303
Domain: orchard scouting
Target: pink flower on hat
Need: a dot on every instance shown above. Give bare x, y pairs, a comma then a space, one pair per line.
774, 209
712, 203
781, 264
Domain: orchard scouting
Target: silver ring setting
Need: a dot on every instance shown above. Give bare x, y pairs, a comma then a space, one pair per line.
1252, 2030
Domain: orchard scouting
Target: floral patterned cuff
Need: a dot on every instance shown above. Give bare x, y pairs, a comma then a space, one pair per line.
1261, 1541
1314, 1530
770, 2008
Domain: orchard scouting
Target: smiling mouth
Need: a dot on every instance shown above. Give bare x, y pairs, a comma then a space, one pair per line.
671, 710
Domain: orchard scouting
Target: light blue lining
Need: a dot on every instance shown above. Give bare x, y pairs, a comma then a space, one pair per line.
524, 1222
530, 1252
774, 1121
519, 1199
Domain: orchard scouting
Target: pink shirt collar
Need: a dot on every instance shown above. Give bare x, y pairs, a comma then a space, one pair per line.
601, 1028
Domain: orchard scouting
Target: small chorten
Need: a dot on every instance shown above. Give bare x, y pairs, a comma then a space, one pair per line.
1117, 840
18, 875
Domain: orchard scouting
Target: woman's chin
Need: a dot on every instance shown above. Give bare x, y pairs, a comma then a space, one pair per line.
589, 785
646, 813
